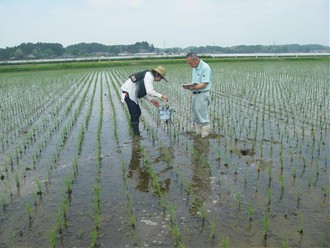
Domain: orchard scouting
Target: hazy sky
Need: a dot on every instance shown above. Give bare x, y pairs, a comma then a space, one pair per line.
165, 23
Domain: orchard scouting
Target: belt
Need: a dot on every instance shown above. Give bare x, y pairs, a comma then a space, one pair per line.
198, 92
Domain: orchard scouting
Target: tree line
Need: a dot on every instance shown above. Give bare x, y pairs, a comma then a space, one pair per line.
42, 50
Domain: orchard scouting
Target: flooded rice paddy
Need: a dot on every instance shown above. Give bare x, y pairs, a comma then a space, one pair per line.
72, 175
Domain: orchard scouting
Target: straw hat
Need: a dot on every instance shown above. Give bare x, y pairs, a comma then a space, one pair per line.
161, 71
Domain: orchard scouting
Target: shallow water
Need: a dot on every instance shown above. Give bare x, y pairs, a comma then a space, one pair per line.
207, 185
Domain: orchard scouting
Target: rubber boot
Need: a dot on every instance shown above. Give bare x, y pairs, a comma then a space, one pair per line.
205, 130
198, 129
135, 128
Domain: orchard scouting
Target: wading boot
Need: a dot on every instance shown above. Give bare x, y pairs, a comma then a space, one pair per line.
135, 127
198, 129
205, 130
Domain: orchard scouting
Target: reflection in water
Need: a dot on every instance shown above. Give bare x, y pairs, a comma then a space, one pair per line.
200, 181
139, 173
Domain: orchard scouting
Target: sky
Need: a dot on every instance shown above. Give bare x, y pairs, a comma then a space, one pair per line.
166, 23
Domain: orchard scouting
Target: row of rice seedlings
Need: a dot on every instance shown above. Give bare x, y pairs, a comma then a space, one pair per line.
184, 182
62, 213
26, 109
287, 134
263, 118
114, 119
97, 189
31, 138
42, 143
45, 120
130, 210
67, 129
238, 196
96, 213
174, 226
277, 132
68, 182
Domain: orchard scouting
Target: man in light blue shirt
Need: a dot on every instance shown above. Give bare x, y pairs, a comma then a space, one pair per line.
200, 87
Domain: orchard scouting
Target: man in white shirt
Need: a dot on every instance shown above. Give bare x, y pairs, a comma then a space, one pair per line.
140, 85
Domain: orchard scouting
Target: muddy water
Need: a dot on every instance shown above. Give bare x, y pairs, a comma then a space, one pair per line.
208, 185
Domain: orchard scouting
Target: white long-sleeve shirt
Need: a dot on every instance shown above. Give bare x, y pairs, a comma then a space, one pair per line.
131, 88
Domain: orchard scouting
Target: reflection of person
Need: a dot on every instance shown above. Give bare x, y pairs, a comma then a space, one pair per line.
143, 175
200, 182
200, 87
140, 85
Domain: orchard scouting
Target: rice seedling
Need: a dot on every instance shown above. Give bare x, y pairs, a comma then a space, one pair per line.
3, 202
132, 218
301, 224
187, 188
294, 171
28, 210
59, 222
75, 166
68, 184
81, 139
212, 231
202, 213
325, 190
269, 175
285, 244
97, 191
265, 225
163, 201
52, 238
97, 219
17, 181
171, 210
238, 200
269, 196
64, 208
39, 191
309, 179
94, 236
236, 169
281, 179
176, 234
250, 212
225, 242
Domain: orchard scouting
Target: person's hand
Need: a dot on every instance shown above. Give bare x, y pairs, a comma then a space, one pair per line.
165, 98
188, 86
155, 103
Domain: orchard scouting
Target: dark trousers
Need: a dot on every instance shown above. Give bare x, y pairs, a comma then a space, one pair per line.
133, 109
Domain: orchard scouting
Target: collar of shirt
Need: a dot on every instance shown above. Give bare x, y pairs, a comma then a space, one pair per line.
199, 65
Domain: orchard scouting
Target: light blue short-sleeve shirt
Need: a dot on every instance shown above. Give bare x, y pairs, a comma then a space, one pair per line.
202, 74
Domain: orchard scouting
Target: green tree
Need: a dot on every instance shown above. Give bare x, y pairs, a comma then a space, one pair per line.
18, 54
36, 53
48, 53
